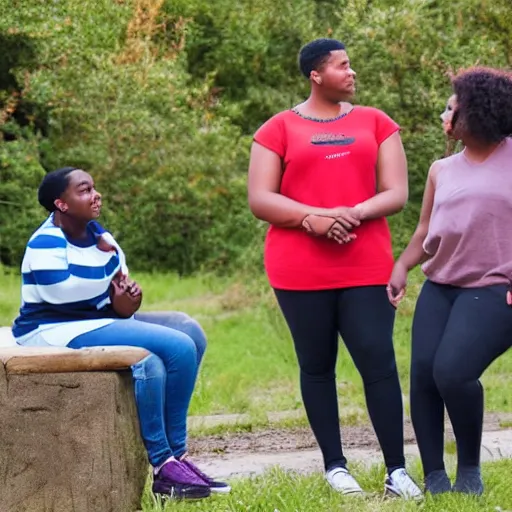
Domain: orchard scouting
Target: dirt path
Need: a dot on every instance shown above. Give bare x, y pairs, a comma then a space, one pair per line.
292, 439
251, 453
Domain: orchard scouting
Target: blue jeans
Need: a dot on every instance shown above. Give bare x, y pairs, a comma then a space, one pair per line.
164, 380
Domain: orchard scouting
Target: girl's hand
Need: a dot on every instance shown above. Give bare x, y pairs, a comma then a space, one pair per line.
397, 284
125, 296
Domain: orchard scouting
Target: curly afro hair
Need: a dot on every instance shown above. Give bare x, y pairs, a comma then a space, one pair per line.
484, 103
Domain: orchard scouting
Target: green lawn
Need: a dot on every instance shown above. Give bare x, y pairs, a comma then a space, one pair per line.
250, 365
277, 491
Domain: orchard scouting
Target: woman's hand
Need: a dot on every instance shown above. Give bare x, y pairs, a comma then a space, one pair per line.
129, 285
125, 295
318, 225
397, 284
348, 217
134, 289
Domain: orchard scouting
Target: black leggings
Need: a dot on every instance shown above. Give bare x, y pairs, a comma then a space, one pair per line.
364, 318
457, 333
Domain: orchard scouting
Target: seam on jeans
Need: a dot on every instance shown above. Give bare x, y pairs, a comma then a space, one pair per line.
139, 369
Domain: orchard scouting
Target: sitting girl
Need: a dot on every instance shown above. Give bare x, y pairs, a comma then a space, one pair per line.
76, 293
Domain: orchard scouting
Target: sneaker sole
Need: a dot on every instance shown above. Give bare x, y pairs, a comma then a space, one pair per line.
221, 490
390, 491
179, 493
187, 497
352, 493
355, 492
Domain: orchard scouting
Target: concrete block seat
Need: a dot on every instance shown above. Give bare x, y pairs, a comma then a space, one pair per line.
69, 431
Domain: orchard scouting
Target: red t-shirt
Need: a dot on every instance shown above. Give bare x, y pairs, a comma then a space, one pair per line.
328, 164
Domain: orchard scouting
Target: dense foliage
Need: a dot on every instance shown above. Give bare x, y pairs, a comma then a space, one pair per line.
158, 100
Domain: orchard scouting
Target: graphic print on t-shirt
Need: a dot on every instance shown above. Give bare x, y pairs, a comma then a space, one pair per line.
331, 139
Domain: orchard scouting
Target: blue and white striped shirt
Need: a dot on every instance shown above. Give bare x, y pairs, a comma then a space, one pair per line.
65, 288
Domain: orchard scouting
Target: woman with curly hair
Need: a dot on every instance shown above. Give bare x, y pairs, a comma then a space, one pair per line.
463, 319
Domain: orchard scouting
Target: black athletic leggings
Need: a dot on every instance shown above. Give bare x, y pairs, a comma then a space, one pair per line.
364, 318
457, 333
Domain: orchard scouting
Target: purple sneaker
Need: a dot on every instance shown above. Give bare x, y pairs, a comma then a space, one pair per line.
214, 485
176, 480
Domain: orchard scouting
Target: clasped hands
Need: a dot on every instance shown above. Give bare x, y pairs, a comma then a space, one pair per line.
125, 294
335, 223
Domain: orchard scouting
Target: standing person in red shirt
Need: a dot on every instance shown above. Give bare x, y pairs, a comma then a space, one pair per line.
325, 175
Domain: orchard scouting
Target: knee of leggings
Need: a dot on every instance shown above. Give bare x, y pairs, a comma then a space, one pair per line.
377, 369
317, 373
151, 367
446, 376
422, 373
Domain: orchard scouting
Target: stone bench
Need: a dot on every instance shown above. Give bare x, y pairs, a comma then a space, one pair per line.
69, 432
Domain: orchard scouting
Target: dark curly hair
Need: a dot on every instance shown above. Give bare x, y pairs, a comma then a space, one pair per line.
484, 103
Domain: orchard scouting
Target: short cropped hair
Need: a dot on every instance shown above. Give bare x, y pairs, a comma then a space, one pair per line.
314, 54
53, 186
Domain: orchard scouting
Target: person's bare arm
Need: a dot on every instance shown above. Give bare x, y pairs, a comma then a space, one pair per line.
392, 184
265, 201
414, 254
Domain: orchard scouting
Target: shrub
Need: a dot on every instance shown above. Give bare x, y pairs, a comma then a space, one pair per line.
158, 99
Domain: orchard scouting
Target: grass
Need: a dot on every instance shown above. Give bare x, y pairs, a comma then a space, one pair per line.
278, 491
250, 366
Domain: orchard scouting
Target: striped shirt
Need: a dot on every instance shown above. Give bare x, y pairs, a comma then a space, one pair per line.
65, 285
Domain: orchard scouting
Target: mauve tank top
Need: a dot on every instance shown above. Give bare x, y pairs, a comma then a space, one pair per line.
470, 233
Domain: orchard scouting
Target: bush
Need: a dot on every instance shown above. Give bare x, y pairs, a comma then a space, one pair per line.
171, 170
20, 213
158, 99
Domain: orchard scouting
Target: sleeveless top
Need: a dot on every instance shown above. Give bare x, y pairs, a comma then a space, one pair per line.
470, 232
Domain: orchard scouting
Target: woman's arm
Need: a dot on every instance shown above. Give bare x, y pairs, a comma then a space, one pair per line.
266, 203
414, 254
392, 185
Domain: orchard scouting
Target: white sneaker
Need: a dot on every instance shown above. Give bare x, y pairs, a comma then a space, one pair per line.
401, 484
342, 481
